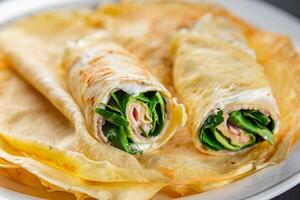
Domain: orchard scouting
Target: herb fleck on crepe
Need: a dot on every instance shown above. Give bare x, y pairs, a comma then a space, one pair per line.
125, 115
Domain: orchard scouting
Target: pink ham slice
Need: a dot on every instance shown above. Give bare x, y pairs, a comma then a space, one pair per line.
237, 135
139, 118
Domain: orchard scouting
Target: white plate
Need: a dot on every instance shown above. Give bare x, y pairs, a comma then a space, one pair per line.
264, 184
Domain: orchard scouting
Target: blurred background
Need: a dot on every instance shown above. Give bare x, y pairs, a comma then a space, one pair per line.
292, 6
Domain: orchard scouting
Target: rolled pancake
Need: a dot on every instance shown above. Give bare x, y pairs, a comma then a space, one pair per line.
229, 100
122, 103
44, 139
40, 65
46, 148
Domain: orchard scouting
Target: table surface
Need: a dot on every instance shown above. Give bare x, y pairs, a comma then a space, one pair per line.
293, 7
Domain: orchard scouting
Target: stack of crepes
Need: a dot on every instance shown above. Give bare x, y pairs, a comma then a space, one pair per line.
52, 127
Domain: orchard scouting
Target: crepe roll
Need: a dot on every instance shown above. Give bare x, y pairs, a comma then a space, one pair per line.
229, 101
123, 105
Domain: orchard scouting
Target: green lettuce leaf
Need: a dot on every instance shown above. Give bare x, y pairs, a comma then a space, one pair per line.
224, 141
112, 117
252, 126
117, 128
256, 124
207, 136
118, 138
158, 113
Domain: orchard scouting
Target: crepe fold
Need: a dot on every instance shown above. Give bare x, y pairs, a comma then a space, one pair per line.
122, 103
229, 100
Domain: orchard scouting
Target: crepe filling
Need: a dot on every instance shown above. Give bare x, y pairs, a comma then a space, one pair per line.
124, 115
246, 128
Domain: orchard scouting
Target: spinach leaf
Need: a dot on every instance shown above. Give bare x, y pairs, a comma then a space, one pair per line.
240, 120
214, 120
125, 99
112, 117
117, 128
117, 137
158, 113
257, 116
253, 122
224, 141
207, 137
154, 114
207, 131
113, 108
142, 97
117, 101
